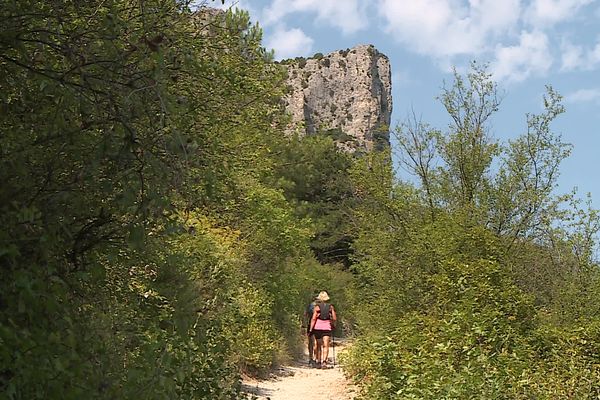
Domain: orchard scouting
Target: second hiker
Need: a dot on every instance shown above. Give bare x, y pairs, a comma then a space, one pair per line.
308, 313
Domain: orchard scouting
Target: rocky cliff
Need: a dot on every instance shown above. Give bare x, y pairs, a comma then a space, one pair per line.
347, 93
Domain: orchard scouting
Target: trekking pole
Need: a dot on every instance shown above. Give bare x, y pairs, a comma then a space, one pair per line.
333, 346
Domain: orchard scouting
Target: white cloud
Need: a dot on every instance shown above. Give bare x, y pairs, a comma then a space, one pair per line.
571, 56
594, 55
547, 12
348, 15
576, 57
520, 38
443, 28
584, 95
289, 42
530, 56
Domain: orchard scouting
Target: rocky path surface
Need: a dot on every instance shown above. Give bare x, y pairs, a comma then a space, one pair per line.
298, 382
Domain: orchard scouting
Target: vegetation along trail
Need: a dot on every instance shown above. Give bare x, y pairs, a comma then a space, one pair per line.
164, 229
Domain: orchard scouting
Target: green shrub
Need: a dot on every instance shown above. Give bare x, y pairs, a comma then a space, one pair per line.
301, 61
479, 339
254, 332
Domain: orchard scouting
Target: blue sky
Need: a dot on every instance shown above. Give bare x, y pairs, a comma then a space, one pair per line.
528, 44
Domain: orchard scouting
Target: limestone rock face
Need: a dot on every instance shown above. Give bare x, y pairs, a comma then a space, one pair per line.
347, 93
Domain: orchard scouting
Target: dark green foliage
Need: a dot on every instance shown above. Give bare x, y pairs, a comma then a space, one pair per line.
301, 62
131, 265
381, 138
313, 175
338, 135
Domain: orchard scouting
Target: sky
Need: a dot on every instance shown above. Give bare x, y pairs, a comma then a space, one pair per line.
528, 44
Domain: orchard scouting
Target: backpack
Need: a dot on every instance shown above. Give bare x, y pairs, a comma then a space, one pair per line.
324, 314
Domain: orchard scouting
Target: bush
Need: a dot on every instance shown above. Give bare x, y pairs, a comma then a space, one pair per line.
480, 339
301, 61
254, 332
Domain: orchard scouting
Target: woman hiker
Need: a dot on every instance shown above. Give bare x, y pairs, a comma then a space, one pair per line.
322, 325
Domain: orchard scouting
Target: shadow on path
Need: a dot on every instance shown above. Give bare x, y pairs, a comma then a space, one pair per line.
256, 390
298, 380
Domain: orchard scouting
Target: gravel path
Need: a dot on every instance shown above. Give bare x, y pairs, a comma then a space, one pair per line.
300, 382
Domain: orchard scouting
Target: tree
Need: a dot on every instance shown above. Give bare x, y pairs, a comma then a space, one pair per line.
482, 275
313, 174
468, 150
523, 189
119, 117
455, 170
465, 153
417, 153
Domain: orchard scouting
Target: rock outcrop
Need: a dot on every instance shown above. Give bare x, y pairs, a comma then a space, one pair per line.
347, 93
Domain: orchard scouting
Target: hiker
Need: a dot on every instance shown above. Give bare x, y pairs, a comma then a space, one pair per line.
310, 337
322, 325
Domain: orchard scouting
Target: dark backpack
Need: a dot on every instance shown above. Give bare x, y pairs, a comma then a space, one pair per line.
324, 314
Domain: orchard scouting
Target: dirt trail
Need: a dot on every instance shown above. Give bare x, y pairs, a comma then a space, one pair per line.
299, 382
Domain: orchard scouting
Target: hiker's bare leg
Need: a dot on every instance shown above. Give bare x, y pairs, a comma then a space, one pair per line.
325, 349
319, 350
311, 347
